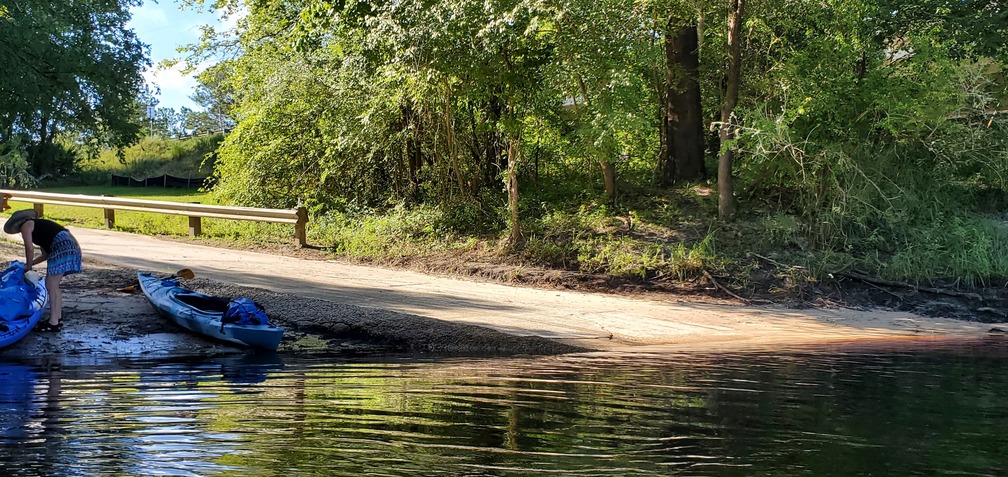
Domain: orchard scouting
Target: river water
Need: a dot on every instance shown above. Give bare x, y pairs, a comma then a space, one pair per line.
924, 409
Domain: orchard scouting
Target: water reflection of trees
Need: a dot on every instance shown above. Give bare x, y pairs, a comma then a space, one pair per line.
471, 415
913, 412
725, 414
122, 418
31, 427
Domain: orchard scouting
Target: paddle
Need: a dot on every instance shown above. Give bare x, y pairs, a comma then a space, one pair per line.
183, 273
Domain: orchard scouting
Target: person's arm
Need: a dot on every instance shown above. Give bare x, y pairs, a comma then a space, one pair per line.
40, 258
26, 234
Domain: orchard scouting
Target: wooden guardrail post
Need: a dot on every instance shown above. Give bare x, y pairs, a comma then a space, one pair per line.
109, 218
195, 226
195, 223
39, 209
299, 227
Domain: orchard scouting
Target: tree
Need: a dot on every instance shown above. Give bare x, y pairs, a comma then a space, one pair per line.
605, 64
500, 71
216, 97
681, 157
422, 101
167, 122
72, 68
733, 78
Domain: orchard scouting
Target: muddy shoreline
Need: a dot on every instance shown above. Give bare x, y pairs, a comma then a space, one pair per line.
328, 307
99, 320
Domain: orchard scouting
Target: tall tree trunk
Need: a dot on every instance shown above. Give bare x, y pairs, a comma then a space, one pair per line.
609, 178
413, 150
726, 189
44, 130
515, 239
608, 170
493, 143
465, 186
40, 156
700, 23
682, 148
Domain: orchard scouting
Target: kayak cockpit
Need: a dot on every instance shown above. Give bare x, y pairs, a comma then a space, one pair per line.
204, 303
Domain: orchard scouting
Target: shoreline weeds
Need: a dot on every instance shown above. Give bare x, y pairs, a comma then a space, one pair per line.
101, 321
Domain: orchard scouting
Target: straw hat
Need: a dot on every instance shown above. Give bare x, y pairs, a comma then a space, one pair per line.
17, 219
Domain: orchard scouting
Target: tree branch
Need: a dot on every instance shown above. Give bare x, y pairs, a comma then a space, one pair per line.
888, 283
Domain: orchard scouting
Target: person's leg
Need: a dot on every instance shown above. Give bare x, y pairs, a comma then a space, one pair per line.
52, 283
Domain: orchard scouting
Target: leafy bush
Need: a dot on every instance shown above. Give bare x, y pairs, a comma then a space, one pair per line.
14, 167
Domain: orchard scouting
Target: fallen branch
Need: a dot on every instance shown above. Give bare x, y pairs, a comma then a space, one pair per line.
883, 290
722, 287
775, 262
985, 309
889, 283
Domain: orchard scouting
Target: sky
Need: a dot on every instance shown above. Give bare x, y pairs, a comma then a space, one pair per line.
165, 27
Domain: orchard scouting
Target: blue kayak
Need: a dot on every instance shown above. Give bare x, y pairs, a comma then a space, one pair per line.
205, 314
23, 299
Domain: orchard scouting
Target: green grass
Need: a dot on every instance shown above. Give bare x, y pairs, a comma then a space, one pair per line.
156, 156
597, 239
151, 157
585, 239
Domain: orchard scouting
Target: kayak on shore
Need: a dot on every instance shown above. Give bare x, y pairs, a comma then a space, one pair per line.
238, 321
23, 299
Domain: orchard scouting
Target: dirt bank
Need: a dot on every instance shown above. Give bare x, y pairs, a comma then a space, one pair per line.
100, 320
764, 282
334, 307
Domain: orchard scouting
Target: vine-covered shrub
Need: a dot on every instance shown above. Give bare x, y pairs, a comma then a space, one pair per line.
14, 167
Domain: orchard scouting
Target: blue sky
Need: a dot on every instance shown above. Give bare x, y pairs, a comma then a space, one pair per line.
165, 27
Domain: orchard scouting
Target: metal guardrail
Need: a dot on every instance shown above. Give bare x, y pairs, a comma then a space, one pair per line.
297, 216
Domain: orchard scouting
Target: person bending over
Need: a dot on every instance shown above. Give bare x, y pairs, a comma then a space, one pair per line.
59, 250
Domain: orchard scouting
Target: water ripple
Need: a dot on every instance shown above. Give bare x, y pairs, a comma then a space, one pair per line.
805, 412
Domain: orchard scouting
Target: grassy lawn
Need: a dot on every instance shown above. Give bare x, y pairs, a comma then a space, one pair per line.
160, 224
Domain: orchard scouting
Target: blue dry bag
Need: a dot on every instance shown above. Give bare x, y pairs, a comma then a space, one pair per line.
244, 311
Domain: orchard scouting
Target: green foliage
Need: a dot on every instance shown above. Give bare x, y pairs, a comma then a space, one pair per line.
394, 234
216, 98
879, 146
968, 249
53, 159
151, 157
14, 167
72, 74
591, 240
968, 28
866, 128
378, 103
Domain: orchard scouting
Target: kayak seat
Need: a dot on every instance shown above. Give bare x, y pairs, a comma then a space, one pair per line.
205, 303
